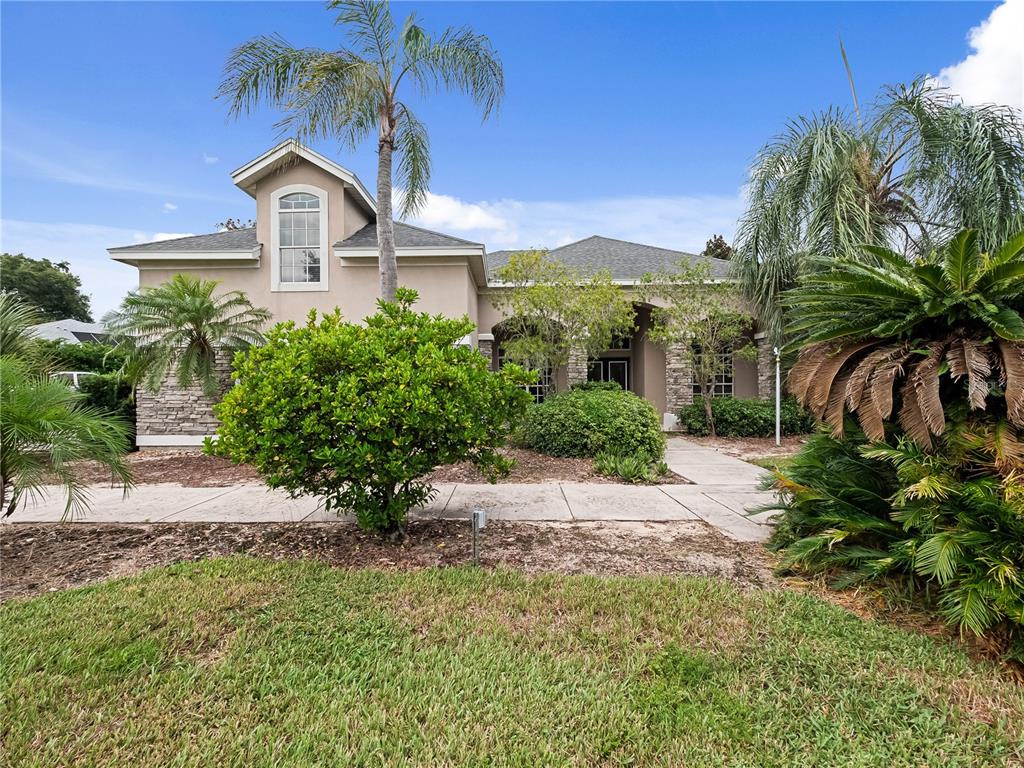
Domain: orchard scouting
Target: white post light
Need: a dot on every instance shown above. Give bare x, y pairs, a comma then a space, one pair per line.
479, 519
778, 398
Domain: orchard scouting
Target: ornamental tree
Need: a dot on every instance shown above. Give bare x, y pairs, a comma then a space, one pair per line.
704, 318
554, 311
360, 413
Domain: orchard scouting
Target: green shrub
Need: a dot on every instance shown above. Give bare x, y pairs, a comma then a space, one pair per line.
90, 356
109, 392
746, 418
586, 422
360, 413
631, 469
950, 523
592, 386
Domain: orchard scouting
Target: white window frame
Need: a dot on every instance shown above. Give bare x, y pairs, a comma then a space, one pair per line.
276, 284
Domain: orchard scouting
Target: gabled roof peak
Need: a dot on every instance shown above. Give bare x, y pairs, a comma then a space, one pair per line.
288, 151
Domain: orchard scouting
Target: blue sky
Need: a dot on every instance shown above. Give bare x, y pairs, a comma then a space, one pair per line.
635, 120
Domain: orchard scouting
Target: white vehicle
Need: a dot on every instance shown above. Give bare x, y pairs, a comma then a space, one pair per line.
71, 378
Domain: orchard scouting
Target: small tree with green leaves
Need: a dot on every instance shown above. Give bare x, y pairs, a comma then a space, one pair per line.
554, 311
359, 413
702, 317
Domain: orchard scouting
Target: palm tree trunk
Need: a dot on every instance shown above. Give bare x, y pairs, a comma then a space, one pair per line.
385, 223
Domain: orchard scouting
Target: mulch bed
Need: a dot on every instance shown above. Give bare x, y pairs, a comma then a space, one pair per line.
39, 558
193, 469
751, 447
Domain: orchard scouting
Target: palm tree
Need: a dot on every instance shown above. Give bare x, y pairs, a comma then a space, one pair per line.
922, 167
864, 326
182, 324
46, 427
353, 92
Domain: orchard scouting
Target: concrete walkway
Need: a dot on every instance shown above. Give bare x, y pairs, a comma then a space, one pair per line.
723, 489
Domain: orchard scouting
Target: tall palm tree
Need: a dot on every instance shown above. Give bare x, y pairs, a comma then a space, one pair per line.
919, 168
183, 324
45, 427
354, 91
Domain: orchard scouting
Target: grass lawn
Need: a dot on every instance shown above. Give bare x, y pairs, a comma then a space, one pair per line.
245, 662
772, 462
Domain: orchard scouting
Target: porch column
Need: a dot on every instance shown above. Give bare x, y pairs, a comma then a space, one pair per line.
485, 343
678, 383
765, 367
576, 369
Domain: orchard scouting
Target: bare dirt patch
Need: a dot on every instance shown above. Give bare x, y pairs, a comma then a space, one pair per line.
193, 469
750, 447
40, 558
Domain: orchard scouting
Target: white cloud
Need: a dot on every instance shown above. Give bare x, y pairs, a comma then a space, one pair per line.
169, 207
210, 159
994, 73
83, 246
679, 222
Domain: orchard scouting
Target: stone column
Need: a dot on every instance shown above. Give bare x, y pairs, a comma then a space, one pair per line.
576, 370
678, 383
485, 343
765, 367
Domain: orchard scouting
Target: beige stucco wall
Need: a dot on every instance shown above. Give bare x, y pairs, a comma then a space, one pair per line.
445, 285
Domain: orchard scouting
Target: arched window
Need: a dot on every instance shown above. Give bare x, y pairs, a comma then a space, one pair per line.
299, 246
299, 231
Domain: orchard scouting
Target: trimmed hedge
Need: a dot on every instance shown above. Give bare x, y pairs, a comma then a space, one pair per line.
746, 418
585, 422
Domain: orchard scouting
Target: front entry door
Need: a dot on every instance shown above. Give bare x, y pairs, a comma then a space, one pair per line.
610, 369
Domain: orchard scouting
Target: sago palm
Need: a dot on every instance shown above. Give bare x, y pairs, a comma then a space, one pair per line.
919, 168
356, 91
928, 324
181, 326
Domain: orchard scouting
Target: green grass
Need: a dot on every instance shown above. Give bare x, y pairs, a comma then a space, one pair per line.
772, 462
250, 663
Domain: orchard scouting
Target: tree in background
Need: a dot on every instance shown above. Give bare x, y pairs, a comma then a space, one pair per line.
553, 311
918, 168
47, 428
49, 287
181, 326
717, 248
232, 225
359, 413
702, 317
354, 92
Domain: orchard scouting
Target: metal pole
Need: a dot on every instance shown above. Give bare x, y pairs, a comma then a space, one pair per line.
778, 398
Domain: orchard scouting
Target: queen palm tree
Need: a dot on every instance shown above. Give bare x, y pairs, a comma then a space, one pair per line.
920, 167
183, 324
355, 91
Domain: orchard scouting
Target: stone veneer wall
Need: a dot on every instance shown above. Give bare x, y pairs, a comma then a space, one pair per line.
175, 411
765, 369
486, 347
678, 379
576, 369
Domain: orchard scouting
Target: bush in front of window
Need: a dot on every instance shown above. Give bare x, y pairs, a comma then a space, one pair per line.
746, 418
590, 386
586, 422
359, 414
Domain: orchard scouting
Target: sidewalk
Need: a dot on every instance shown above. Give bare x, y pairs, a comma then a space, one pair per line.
723, 489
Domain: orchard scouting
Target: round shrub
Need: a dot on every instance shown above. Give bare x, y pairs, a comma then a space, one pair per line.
585, 422
746, 418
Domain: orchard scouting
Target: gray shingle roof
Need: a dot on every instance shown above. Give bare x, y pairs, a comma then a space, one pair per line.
625, 260
232, 240
406, 236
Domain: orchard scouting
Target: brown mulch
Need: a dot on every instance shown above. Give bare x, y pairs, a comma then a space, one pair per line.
193, 469
39, 558
751, 447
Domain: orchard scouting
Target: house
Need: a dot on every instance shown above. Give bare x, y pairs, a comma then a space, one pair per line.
314, 246
70, 331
